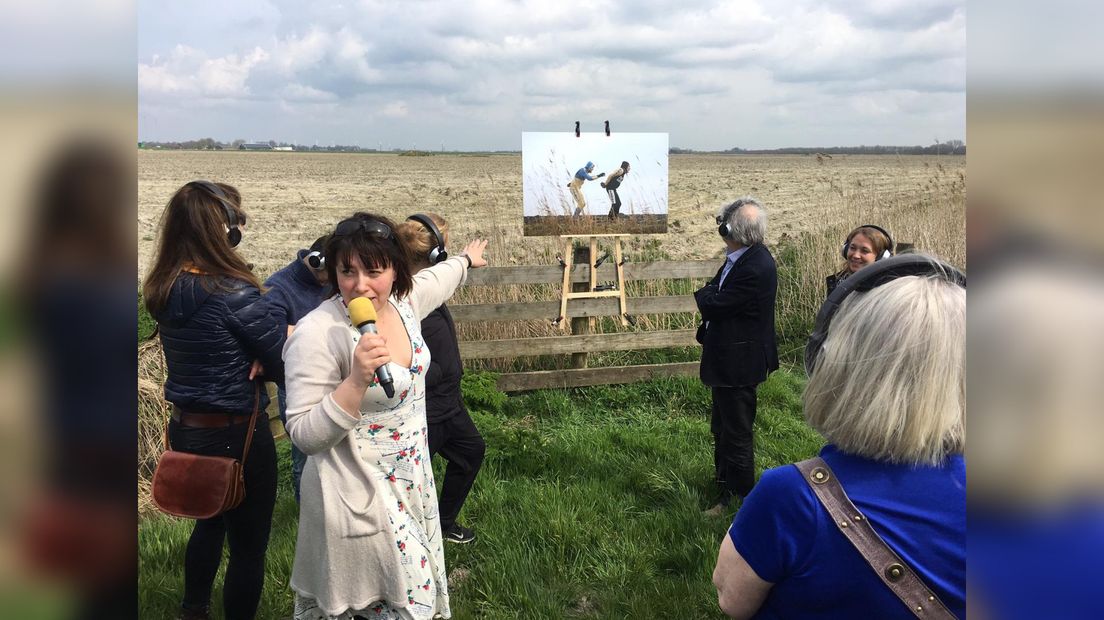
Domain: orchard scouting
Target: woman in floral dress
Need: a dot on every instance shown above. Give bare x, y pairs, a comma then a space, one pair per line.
369, 540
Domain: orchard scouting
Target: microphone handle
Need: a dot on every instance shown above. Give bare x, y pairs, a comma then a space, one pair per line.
382, 374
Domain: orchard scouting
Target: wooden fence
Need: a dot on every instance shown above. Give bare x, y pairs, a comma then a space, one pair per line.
580, 342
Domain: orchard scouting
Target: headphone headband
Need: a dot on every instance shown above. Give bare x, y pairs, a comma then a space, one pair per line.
890, 251
869, 278
723, 229
233, 235
438, 253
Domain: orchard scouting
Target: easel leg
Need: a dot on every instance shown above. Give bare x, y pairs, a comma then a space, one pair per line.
567, 256
620, 280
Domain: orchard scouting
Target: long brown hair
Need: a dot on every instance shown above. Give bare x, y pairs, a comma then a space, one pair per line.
193, 236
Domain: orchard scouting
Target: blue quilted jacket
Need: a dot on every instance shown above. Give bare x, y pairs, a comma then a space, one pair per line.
211, 335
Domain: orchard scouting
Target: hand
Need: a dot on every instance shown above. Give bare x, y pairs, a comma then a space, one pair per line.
370, 353
256, 369
602, 184
601, 174
474, 251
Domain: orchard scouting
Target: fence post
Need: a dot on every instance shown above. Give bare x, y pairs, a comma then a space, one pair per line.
580, 324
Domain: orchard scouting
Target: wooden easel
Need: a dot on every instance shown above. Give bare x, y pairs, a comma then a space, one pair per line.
591, 293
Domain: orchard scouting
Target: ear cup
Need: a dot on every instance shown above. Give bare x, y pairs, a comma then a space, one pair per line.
233, 233
316, 261
723, 230
438, 253
843, 250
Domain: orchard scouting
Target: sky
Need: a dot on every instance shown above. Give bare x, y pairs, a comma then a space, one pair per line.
474, 75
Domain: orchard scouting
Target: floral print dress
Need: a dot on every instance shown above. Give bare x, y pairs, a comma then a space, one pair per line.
392, 441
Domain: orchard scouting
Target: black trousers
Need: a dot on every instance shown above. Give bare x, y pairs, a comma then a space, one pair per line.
615, 202
733, 439
246, 527
459, 442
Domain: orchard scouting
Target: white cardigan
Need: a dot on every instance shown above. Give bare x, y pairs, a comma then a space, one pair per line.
342, 527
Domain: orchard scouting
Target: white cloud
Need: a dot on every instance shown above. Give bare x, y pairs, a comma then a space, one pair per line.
488, 69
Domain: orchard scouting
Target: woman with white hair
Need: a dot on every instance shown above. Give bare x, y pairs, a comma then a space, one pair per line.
887, 389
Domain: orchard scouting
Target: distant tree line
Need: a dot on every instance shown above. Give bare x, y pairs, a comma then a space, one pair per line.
210, 144
949, 147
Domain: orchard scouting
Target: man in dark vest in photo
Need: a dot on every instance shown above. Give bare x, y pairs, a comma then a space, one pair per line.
739, 347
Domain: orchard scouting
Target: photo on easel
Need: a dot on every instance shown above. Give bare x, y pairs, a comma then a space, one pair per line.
594, 183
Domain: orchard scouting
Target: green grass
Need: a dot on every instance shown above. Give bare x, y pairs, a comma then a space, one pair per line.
588, 505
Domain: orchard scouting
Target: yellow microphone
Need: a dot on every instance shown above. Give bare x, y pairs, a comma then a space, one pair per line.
363, 315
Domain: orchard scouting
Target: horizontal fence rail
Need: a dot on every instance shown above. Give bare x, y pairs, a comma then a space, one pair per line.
582, 308
588, 343
553, 274
534, 310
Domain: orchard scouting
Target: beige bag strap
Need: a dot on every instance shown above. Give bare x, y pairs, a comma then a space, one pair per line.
252, 423
893, 572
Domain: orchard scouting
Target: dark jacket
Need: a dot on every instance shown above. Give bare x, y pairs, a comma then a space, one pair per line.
832, 281
210, 341
294, 291
443, 398
739, 347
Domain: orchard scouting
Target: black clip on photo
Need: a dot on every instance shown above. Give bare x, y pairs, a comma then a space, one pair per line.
577, 129
607, 129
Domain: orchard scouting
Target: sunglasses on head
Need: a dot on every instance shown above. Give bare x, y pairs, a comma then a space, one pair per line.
374, 228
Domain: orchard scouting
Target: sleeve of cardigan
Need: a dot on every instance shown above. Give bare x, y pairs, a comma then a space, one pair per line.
434, 285
314, 366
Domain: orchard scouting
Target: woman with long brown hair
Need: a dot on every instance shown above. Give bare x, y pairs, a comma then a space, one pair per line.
218, 336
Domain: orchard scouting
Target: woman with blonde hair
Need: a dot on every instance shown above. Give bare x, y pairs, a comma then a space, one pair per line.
218, 335
887, 389
452, 433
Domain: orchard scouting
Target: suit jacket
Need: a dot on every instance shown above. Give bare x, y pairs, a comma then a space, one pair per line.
739, 347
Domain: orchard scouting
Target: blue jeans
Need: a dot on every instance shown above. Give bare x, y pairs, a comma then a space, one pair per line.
298, 459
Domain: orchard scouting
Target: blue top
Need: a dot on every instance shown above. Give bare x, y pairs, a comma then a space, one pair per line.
583, 174
1038, 562
788, 538
294, 291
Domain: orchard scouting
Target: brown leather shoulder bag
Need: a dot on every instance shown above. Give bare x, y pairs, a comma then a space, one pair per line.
195, 486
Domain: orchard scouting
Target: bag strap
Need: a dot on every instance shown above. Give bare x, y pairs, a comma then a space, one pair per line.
252, 423
889, 567
252, 420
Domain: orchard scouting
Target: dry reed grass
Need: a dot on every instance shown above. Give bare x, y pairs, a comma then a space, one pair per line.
812, 204
153, 411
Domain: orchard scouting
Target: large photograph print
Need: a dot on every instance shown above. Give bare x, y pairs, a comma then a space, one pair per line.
594, 183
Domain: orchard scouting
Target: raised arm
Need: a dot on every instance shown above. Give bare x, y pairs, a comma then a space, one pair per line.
434, 285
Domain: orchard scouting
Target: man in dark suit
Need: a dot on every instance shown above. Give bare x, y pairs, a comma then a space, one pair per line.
739, 348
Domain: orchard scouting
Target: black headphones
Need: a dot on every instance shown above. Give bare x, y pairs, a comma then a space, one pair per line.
438, 253
233, 234
868, 278
885, 254
316, 260
724, 229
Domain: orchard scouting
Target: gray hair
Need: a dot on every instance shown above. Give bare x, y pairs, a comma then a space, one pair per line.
890, 383
748, 225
